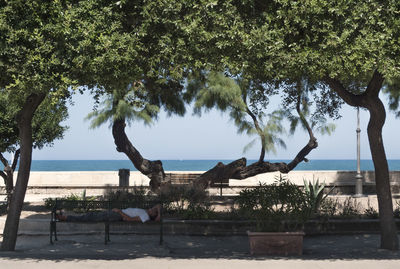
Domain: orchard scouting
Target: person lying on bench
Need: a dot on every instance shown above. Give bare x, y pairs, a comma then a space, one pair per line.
127, 214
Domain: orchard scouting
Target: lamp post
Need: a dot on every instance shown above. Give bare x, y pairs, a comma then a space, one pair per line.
359, 187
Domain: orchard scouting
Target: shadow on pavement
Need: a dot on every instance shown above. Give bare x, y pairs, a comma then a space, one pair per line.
131, 246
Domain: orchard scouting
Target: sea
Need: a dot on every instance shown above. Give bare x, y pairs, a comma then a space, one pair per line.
194, 165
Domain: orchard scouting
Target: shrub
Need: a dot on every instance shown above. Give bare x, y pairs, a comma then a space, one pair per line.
50, 202
329, 208
350, 209
189, 201
280, 206
315, 194
371, 212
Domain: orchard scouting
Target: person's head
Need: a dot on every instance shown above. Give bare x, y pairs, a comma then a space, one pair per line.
153, 213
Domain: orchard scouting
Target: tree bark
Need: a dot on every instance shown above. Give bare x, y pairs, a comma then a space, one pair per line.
389, 239
239, 170
370, 100
153, 169
24, 122
8, 174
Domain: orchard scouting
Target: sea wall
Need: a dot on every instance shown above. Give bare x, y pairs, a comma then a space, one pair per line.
100, 182
65, 181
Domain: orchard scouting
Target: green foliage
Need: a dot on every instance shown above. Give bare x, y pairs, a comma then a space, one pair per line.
350, 209
329, 208
227, 94
34, 46
188, 201
135, 195
136, 53
280, 206
268, 135
315, 194
128, 107
8, 126
49, 203
308, 106
397, 209
45, 129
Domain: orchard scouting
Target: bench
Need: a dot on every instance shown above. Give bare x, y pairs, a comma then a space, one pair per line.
85, 206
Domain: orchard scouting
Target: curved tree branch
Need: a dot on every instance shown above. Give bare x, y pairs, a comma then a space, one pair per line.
375, 85
239, 170
259, 131
15, 161
348, 97
153, 169
3, 175
3, 160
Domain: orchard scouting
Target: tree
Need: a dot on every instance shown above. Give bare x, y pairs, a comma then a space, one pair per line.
224, 94
35, 61
350, 48
133, 57
45, 130
247, 108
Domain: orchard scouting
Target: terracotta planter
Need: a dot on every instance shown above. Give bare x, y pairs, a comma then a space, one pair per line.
289, 243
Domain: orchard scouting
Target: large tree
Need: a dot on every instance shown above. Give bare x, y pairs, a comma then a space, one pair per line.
45, 130
134, 58
248, 109
35, 61
349, 49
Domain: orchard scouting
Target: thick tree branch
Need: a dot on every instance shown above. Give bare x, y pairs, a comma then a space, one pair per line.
3, 175
348, 97
3, 160
259, 131
15, 160
153, 169
238, 169
375, 85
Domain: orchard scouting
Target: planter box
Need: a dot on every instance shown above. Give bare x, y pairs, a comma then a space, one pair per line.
290, 243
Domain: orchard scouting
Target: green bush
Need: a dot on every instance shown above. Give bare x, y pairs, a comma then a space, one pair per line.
397, 210
350, 209
50, 202
315, 194
188, 201
329, 208
281, 206
134, 195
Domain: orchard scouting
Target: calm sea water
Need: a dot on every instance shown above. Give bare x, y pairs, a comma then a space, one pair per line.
192, 165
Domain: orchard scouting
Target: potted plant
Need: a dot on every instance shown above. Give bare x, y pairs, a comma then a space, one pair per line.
279, 211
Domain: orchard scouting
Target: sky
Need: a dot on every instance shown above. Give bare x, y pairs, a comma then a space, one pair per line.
211, 136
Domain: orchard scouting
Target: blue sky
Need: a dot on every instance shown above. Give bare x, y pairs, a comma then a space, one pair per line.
212, 136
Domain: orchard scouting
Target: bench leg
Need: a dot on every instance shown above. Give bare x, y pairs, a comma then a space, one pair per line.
51, 233
161, 233
53, 230
106, 233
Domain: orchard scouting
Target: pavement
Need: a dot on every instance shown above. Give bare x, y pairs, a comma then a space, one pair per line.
129, 250
180, 251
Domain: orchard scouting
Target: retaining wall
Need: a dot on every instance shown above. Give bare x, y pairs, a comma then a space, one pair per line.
96, 182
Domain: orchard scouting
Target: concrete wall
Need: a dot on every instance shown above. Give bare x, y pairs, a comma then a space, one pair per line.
102, 179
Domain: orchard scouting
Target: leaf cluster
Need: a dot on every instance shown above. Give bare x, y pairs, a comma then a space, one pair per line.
45, 129
280, 206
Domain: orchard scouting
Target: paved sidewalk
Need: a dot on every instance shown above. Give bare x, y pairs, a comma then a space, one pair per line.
143, 251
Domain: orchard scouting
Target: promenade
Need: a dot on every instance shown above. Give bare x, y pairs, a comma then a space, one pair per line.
129, 250
143, 251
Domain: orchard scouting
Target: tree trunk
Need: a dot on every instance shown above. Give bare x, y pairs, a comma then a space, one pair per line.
8, 175
239, 170
389, 239
24, 121
153, 169
370, 100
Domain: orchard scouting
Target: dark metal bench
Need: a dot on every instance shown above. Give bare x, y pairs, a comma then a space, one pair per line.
87, 205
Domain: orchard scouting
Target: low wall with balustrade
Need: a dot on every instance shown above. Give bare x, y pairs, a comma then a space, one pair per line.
95, 182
